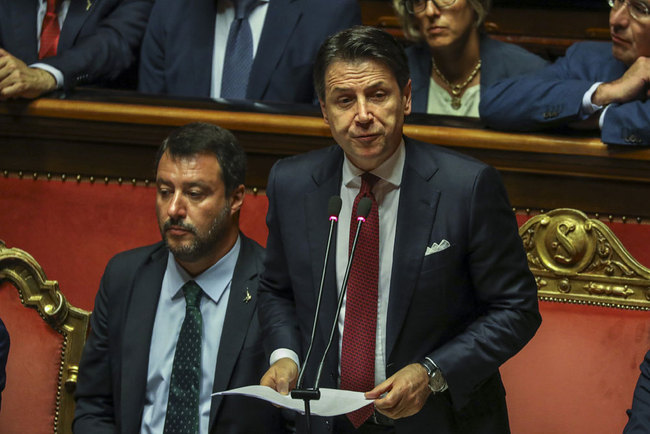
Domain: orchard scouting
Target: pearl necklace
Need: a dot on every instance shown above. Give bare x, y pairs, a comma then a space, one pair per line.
456, 89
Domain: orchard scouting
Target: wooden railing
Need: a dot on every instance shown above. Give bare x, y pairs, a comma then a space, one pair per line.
117, 138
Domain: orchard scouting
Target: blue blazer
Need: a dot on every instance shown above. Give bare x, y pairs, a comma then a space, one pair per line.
499, 60
552, 97
469, 307
113, 370
4, 352
99, 41
639, 422
178, 45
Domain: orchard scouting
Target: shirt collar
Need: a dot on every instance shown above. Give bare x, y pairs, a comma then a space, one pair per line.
214, 281
389, 171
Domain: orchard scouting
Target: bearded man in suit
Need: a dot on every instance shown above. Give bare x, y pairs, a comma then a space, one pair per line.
176, 321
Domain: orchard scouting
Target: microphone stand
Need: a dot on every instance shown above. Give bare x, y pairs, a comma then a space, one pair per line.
310, 394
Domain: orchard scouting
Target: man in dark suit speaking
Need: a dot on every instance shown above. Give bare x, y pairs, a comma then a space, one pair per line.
175, 321
439, 294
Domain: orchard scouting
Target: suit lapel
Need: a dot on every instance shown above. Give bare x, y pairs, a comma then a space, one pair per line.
78, 12
238, 314
203, 16
417, 209
420, 78
328, 180
140, 313
281, 19
25, 30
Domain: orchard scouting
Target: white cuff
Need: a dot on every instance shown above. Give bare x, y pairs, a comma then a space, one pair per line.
282, 353
601, 119
58, 75
588, 108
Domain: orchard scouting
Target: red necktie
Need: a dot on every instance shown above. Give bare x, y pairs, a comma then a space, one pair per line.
50, 31
359, 329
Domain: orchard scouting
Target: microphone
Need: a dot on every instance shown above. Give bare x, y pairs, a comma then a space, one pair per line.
333, 209
363, 209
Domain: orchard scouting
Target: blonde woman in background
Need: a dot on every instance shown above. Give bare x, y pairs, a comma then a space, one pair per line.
453, 58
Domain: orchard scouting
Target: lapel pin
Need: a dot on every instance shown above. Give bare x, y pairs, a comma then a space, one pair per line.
248, 297
88, 4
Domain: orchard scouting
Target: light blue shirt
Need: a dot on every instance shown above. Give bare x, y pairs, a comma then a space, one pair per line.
225, 17
215, 282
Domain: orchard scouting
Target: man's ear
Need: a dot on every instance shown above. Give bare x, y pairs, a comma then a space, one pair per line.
406, 94
237, 199
324, 111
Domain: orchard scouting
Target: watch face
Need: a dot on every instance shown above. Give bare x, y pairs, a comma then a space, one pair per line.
437, 382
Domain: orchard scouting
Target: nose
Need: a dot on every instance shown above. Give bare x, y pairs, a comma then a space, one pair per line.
431, 8
364, 114
620, 17
177, 207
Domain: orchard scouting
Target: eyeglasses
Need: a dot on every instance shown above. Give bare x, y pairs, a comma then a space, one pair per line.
418, 6
637, 9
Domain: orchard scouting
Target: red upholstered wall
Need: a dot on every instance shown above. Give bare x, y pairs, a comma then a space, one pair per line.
72, 229
578, 373
34, 358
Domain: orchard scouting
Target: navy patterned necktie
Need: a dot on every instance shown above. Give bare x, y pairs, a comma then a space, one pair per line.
359, 329
185, 384
239, 53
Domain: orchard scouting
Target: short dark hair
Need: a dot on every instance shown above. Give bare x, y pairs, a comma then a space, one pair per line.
204, 138
357, 44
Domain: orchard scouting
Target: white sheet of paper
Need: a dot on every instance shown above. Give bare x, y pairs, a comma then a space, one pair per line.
332, 402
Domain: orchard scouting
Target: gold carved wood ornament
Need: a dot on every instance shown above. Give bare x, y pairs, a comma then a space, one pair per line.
576, 259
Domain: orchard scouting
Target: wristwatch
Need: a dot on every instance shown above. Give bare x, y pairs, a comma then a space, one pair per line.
437, 382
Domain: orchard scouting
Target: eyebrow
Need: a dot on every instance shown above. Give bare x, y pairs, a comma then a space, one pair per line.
375, 85
185, 185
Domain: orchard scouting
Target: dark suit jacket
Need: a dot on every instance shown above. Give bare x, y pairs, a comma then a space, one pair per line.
4, 352
96, 44
113, 370
178, 45
552, 97
469, 307
639, 422
499, 60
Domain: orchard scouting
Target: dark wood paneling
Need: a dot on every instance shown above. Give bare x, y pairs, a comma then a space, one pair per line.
109, 139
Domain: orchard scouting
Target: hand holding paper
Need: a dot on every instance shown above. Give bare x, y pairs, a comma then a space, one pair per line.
332, 402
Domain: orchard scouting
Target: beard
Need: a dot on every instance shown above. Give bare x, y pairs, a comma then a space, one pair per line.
203, 244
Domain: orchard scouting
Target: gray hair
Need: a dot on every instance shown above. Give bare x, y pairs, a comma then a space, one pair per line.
410, 25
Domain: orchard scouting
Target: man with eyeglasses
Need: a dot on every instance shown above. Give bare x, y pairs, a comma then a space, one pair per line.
596, 85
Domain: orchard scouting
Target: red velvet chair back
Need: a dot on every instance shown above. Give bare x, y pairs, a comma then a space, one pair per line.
47, 337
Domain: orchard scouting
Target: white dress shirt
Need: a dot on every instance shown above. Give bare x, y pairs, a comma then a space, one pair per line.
387, 192
589, 108
225, 17
215, 283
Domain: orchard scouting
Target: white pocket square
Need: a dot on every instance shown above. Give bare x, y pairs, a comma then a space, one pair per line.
437, 247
